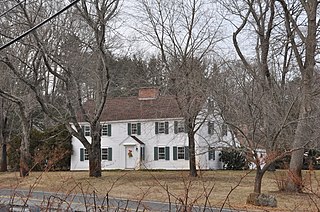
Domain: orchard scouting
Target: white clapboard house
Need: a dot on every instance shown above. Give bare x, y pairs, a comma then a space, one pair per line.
148, 132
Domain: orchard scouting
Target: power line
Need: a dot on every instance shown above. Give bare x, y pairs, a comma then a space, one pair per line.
38, 25
11, 8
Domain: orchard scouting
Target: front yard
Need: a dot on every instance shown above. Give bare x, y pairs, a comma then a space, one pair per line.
216, 188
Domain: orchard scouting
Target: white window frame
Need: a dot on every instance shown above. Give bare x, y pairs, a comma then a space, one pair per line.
212, 153
181, 126
161, 155
104, 130
181, 152
86, 130
134, 128
161, 127
224, 129
211, 127
104, 154
85, 154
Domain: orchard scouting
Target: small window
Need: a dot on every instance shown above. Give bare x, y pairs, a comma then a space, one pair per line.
162, 127
212, 153
162, 153
181, 152
224, 130
104, 154
179, 127
106, 130
134, 128
86, 154
210, 128
86, 130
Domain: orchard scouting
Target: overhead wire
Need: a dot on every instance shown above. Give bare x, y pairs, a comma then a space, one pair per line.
4, 13
38, 25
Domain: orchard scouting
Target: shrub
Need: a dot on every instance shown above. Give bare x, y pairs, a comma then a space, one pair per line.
49, 149
233, 159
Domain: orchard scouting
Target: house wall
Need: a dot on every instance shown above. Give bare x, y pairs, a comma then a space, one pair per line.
120, 140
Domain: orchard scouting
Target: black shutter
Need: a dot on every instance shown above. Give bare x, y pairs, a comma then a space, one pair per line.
186, 153
129, 128
109, 129
109, 154
156, 128
82, 129
139, 128
166, 127
167, 151
209, 128
155, 153
175, 153
175, 127
142, 153
81, 154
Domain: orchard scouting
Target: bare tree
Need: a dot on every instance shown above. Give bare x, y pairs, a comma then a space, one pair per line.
303, 38
25, 119
4, 134
184, 33
257, 103
47, 59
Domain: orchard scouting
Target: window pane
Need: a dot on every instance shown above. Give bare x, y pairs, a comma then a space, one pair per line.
134, 129
161, 127
180, 152
210, 128
224, 130
181, 126
162, 154
87, 130
104, 130
104, 154
86, 154
212, 153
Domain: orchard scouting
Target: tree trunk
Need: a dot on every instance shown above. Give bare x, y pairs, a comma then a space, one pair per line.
25, 159
294, 175
258, 181
24, 154
95, 152
24, 163
4, 163
192, 155
3, 139
303, 133
95, 160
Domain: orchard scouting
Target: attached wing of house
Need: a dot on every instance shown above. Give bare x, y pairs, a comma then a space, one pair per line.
148, 132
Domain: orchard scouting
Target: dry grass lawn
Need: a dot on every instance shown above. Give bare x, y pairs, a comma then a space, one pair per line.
156, 185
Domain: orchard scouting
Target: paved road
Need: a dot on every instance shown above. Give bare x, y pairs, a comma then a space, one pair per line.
23, 200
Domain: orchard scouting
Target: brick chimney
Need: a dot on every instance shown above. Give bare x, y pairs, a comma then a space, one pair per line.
148, 93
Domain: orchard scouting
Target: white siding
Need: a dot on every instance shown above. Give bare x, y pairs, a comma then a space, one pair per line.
119, 139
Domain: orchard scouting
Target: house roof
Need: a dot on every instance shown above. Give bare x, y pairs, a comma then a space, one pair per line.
137, 140
133, 108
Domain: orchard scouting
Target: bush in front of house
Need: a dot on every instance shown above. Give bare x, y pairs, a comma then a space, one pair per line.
50, 149
233, 159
